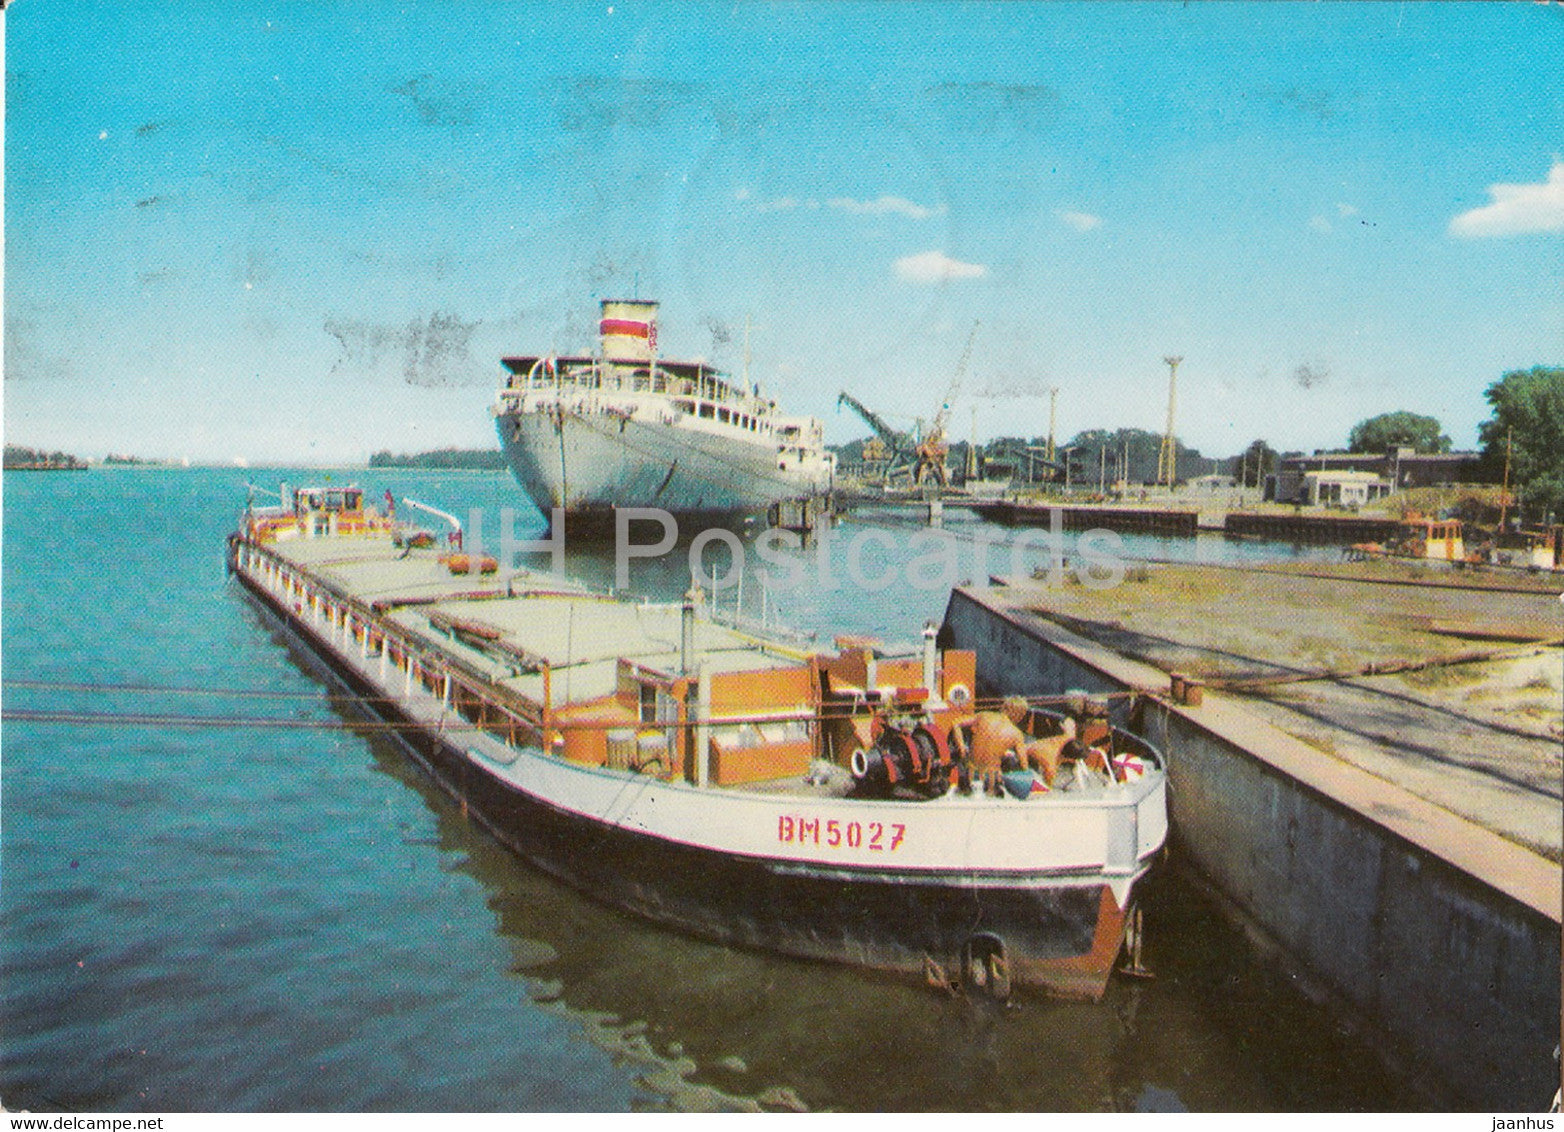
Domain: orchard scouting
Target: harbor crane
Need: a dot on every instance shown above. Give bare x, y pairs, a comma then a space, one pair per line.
897, 445
923, 451
933, 448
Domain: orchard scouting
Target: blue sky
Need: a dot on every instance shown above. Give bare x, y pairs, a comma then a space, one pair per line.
306, 231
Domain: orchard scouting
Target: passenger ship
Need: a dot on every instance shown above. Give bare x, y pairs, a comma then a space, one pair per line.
626, 428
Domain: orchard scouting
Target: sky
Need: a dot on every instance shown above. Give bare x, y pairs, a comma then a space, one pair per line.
304, 232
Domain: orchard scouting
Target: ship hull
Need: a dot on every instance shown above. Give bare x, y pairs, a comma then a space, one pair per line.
709, 864
589, 465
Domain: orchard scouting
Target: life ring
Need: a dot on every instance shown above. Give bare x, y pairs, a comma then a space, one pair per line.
958, 695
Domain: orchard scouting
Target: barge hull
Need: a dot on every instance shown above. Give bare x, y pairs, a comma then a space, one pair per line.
1062, 937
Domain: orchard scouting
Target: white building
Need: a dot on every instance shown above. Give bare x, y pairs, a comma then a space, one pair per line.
1344, 489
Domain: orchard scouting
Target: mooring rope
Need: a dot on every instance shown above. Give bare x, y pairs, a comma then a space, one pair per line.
846, 710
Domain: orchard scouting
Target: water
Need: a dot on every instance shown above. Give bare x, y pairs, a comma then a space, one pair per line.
295, 919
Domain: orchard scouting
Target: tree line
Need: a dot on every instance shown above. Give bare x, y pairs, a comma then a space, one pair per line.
1522, 443
468, 459
16, 457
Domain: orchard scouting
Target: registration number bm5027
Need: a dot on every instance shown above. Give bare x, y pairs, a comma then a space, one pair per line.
870, 836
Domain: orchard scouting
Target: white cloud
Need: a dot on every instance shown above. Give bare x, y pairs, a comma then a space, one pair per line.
877, 207
1319, 224
881, 205
936, 267
1081, 221
781, 204
1346, 210
1517, 209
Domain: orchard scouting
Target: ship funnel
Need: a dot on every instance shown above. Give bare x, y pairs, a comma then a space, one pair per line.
628, 329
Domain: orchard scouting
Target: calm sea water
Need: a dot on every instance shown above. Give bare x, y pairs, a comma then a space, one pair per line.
243, 918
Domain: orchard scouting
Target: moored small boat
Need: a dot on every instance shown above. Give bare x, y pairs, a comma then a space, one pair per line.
855, 805
1420, 538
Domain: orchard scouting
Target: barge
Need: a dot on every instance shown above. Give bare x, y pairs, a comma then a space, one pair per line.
852, 806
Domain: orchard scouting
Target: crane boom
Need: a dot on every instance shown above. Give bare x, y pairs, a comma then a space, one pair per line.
942, 417
895, 441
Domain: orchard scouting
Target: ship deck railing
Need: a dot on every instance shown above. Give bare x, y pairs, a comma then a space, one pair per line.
598, 377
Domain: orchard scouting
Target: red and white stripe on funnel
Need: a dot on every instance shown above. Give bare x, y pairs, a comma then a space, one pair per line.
629, 328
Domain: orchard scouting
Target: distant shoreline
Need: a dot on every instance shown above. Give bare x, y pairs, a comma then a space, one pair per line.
453, 459
20, 458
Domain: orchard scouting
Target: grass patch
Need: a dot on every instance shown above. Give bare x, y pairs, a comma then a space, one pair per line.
1444, 676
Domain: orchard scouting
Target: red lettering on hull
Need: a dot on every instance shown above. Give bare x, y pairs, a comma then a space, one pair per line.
870, 837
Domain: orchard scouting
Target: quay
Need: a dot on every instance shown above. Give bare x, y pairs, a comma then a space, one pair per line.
1079, 517
1308, 527
1364, 770
1180, 519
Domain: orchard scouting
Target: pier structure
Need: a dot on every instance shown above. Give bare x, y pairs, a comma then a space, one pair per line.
1282, 526
1178, 519
1393, 846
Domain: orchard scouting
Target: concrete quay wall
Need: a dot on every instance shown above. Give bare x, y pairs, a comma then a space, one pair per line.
1079, 517
1434, 937
1309, 528
1191, 515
